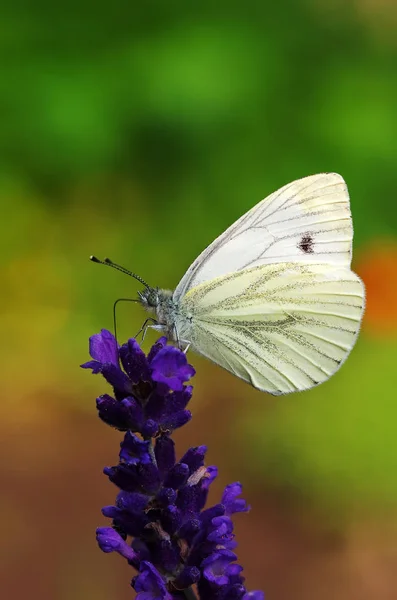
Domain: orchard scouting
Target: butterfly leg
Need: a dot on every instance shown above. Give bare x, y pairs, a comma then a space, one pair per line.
177, 338
144, 327
182, 344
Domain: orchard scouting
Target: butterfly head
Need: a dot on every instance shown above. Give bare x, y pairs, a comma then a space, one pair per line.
149, 298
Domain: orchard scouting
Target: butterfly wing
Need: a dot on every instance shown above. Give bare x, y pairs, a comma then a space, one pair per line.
307, 220
283, 327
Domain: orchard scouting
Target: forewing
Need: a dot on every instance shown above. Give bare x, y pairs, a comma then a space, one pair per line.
307, 221
283, 327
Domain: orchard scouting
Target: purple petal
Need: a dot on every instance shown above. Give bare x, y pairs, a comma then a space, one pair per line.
177, 476
178, 400
110, 511
117, 379
222, 531
257, 595
191, 499
167, 382
110, 541
171, 519
210, 475
129, 524
165, 454
149, 584
230, 500
168, 408
134, 411
194, 458
235, 578
129, 514
186, 372
157, 346
176, 420
132, 502
149, 428
215, 567
124, 476
170, 368
104, 348
134, 450
94, 365
136, 477
209, 514
123, 415
134, 361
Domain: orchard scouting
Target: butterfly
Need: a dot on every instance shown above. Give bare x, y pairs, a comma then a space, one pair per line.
273, 299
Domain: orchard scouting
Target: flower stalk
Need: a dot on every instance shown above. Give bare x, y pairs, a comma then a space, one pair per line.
160, 524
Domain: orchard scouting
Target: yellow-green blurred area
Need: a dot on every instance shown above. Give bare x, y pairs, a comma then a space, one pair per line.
140, 131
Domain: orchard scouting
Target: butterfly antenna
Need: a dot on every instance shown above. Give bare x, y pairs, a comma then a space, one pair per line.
110, 263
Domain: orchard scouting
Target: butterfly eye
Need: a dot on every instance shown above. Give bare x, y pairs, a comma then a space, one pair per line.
149, 297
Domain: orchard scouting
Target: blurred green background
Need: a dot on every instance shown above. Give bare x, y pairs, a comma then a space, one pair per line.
140, 131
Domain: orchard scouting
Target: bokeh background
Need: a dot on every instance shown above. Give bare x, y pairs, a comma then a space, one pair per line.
140, 131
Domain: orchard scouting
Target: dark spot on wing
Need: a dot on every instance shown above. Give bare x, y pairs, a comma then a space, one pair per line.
306, 244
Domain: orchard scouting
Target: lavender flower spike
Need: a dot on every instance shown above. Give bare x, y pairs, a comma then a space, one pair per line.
177, 547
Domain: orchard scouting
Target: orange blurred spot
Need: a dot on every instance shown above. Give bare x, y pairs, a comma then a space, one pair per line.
377, 266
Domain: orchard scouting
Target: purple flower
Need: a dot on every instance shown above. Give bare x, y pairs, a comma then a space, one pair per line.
159, 521
170, 367
230, 500
149, 392
222, 534
150, 584
134, 451
105, 352
110, 541
104, 348
216, 568
134, 361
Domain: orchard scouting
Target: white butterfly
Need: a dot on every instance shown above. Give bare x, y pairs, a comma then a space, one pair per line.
273, 299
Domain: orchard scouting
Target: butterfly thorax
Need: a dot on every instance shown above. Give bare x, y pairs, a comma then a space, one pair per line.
166, 310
